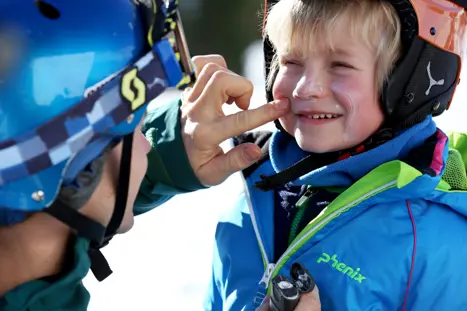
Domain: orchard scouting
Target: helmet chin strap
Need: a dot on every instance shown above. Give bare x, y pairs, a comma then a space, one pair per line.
123, 187
65, 209
99, 265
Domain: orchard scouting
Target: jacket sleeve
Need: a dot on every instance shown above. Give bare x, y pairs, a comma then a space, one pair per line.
169, 171
439, 276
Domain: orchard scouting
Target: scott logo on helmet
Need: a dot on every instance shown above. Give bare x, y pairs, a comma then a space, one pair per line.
133, 89
433, 82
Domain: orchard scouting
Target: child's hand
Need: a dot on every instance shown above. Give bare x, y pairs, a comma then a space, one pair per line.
308, 302
205, 126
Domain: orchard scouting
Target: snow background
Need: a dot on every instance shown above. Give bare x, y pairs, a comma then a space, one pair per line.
163, 263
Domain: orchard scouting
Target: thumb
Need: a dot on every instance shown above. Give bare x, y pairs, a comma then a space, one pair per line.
264, 305
309, 301
222, 166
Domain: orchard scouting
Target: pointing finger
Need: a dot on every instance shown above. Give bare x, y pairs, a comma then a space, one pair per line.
243, 121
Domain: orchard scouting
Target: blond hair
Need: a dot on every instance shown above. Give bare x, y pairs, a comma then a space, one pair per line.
303, 23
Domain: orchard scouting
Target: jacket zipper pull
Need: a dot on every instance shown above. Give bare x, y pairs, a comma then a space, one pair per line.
305, 197
267, 274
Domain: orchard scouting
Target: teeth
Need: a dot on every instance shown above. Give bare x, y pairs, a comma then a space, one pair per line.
322, 116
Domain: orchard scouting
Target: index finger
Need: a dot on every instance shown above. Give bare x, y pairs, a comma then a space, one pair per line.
202, 60
238, 123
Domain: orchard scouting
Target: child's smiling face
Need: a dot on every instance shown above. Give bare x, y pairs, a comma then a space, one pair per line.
331, 62
333, 94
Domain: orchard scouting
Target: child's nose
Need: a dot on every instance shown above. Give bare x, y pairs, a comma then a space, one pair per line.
310, 87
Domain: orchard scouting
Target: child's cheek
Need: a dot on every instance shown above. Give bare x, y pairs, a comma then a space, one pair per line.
282, 87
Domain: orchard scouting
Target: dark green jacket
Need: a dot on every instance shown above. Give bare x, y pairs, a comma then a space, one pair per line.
169, 173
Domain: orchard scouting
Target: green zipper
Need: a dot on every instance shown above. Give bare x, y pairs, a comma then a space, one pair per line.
301, 206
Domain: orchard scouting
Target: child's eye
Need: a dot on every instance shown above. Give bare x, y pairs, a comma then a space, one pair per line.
285, 61
341, 65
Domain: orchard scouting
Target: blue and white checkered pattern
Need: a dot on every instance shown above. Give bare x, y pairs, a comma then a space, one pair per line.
64, 136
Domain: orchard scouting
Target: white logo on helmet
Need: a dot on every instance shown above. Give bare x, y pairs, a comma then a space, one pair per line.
433, 82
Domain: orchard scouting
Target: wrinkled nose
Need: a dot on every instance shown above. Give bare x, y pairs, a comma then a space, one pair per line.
311, 87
